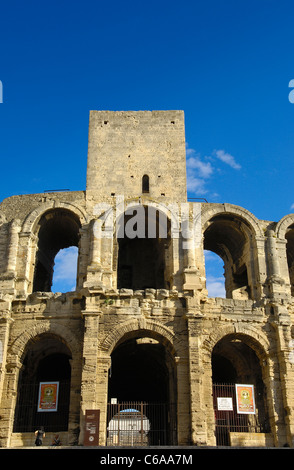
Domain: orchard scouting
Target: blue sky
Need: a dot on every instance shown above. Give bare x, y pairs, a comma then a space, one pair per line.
226, 63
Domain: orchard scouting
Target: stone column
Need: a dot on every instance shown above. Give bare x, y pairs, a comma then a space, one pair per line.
191, 273
13, 245
183, 404
256, 269
83, 258
90, 366
104, 363
198, 415
25, 274
8, 401
5, 322
278, 289
94, 268
285, 433
8, 278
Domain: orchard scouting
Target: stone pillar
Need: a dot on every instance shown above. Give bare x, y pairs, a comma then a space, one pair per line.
277, 284
8, 278
74, 402
83, 258
104, 363
94, 268
90, 366
8, 401
285, 432
25, 274
257, 268
5, 322
198, 415
13, 245
191, 273
183, 404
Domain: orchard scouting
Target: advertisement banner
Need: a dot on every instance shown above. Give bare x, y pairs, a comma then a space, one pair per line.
245, 399
48, 396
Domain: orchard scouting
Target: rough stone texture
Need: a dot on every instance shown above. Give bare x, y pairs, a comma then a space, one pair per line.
251, 328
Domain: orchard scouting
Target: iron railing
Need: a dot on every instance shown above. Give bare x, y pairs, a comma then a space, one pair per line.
28, 419
227, 422
140, 424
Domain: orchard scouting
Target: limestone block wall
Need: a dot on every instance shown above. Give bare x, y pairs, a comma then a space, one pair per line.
189, 334
135, 144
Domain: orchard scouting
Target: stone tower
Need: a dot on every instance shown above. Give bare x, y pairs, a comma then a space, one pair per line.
139, 336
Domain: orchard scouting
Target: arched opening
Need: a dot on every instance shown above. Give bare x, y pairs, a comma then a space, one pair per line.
145, 184
65, 270
142, 379
235, 362
214, 270
290, 255
58, 229
46, 368
144, 245
229, 237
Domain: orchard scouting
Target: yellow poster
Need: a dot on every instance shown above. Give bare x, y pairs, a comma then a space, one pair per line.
48, 396
245, 399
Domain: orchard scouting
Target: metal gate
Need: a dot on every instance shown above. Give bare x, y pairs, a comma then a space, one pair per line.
139, 424
27, 418
231, 421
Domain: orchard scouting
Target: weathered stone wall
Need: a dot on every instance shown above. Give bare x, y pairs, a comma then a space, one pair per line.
133, 144
97, 317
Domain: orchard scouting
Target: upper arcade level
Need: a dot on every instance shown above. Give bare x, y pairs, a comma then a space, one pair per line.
133, 227
117, 258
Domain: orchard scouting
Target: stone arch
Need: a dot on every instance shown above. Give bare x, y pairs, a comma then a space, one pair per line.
144, 368
143, 250
285, 233
107, 212
18, 347
283, 225
211, 210
44, 353
231, 233
31, 221
238, 355
148, 327
56, 229
257, 340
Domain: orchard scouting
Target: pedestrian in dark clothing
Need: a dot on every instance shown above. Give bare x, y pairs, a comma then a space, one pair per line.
40, 434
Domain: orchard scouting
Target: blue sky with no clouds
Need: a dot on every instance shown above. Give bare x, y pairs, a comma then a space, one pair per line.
227, 64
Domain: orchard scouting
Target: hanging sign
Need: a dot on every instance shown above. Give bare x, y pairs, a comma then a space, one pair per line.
48, 396
224, 403
245, 399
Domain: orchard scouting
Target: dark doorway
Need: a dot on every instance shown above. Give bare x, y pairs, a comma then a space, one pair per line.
235, 362
140, 378
138, 372
42, 364
143, 249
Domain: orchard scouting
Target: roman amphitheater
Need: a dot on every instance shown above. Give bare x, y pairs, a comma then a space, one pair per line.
138, 341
